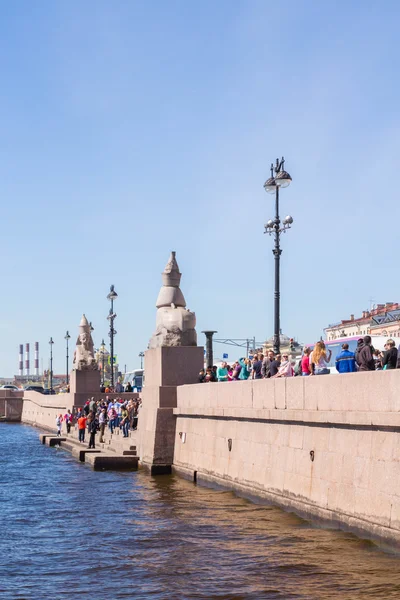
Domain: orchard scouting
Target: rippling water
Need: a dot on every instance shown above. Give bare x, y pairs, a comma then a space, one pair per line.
70, 532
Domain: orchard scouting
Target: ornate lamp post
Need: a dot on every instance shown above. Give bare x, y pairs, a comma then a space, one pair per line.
111, 316
51, 364
67, 338
280, 179
141, 356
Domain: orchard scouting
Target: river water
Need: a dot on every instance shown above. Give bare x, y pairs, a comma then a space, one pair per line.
70, 532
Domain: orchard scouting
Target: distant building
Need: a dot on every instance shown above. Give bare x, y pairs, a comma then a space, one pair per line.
384, 319
287, 344
102, 357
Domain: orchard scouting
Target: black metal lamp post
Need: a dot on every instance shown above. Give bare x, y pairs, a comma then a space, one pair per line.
281, 179
51, 364
141, 356
111, 316
102, 361
67, 338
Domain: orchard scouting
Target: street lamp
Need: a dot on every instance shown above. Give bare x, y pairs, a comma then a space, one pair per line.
141, 356
102, 361
67, 338
51, 364
281, 179
111, 316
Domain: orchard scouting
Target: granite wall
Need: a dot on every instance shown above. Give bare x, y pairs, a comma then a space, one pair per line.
41, 410
10, 405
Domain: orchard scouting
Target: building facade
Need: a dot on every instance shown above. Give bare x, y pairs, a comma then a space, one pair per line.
383, 319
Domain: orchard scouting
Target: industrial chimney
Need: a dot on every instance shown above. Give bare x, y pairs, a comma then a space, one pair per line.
26, 359
37, 358
21, 360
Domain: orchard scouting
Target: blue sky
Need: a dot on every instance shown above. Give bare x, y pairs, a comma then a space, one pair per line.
129, 129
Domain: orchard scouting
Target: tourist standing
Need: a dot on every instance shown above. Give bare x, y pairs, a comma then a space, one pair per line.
345, 361
125, 421
68, 420
82, 428
93, 426
389, 360
112, 418
274, 366
266, 364
222, 372
245, 370
286, 369
92, 405
209, 377
377, 354
237, 367
256, 372
102, 424
58, 424
134, 415
305, 362
117, 406
319, 359
364, 355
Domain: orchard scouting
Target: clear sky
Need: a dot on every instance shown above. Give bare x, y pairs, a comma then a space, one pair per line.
129, 129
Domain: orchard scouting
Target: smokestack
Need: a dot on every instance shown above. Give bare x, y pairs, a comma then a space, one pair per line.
21, 360
36, 358
26, 359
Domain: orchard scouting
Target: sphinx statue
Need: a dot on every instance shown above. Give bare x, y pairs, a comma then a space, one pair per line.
84, 359
175, 325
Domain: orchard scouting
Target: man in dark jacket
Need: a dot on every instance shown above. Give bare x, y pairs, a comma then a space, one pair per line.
390, 356
93, 426
267, 364
364, 355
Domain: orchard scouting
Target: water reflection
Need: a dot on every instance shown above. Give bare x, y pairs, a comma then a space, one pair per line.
233, 548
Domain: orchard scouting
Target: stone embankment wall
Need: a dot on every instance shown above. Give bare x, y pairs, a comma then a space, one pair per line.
10, 405
326, 446
41, 410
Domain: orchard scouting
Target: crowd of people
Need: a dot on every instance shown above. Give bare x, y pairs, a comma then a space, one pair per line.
96, 415
119, 388
312, 362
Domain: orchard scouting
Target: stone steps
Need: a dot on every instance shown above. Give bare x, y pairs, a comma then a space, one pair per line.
53, 440
117, 448
112, 462
100, 458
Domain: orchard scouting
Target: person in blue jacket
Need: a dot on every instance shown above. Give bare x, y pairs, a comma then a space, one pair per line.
345, 361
